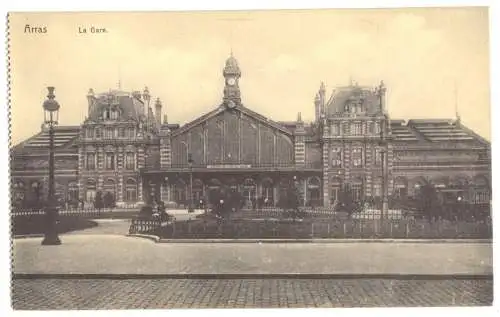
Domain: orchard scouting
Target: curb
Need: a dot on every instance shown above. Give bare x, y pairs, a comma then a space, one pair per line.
27, 236
325, 241
144, 236
396, 276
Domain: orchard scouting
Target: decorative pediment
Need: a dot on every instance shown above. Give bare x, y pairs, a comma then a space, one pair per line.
232, 136
238, 109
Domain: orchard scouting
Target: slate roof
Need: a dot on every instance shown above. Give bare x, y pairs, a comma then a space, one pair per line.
64, 141
129, 105
434, 131
343, 95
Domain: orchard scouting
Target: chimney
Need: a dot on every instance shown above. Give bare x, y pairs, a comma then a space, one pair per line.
322, 95
158, 111
317, 107
146, 97
90, 99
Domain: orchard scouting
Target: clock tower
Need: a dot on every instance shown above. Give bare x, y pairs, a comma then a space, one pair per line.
232, 76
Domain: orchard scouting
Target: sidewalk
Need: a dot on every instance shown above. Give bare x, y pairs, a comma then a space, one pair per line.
115, 254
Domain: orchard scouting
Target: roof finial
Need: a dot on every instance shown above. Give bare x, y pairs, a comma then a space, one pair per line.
455, 93
119, 78
299, 117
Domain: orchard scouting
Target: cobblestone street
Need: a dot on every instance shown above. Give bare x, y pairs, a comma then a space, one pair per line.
67, 294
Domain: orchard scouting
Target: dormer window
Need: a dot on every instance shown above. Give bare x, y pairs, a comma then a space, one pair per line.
114, 114
106, 114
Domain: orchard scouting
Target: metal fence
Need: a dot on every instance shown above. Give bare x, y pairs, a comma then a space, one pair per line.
144, 225
326, 228
87, 212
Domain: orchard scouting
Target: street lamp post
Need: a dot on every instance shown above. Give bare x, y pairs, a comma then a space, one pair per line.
190, 162
384, 154
51, 112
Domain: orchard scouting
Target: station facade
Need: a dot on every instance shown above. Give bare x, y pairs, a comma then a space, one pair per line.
126, 148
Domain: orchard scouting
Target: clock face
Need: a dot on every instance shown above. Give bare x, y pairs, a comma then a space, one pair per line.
231, 104
231, 81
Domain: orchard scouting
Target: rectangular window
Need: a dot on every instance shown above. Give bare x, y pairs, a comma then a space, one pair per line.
130, 194
377, 189
110, 161
346, 128
98, 133
357, 157
335, 129
337, 157
377, 158
90, 161
370, 127
90, 132
121, 133
357, 128
130, 161
108, 133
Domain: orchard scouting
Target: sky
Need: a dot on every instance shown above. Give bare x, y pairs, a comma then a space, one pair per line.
432, 61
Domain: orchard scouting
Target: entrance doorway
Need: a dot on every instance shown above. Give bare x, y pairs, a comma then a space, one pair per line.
249, 193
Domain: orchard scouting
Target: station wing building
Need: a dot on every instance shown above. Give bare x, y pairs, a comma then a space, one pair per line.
125, 148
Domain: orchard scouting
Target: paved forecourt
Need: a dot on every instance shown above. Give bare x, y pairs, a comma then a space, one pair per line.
41, 294
116, 254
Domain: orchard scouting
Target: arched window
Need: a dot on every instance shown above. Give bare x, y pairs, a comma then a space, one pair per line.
110, 161
90, 161
19, 191
90, 190
72, 191
110, 186
130, 160
336, 185
313, 191
131, 190
268, 191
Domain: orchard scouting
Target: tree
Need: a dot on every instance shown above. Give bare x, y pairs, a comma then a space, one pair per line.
428, 201
109, 200
98, 201
346, 202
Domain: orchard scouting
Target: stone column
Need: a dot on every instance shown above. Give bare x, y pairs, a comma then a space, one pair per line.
120, 176
305, 190
326, 168
81, 168
140, 199
164, 192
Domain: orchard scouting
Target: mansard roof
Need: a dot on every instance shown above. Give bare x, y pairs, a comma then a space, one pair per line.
131, 105
64, 141
343, 95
